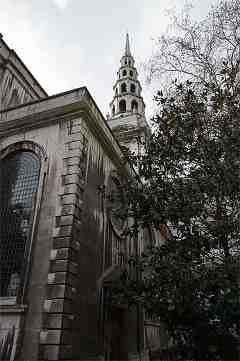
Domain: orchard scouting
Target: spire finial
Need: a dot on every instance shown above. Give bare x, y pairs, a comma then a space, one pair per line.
127, 46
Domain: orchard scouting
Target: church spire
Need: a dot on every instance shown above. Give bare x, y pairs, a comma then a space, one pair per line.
127, 98
127, 119
127, 46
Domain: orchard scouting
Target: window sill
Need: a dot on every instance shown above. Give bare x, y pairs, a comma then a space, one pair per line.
9, 305
8, 301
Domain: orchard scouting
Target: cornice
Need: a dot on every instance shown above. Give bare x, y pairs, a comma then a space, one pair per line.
64, 106
122, 67
124, 134
124, 79
119, 96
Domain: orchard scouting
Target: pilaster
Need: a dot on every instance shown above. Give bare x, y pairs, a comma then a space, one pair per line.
56, 335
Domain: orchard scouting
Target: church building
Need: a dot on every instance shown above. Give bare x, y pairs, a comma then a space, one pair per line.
61, 244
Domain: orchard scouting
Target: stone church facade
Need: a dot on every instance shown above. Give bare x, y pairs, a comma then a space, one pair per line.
60, 244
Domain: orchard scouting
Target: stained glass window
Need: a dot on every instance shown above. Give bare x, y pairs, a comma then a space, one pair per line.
19, 176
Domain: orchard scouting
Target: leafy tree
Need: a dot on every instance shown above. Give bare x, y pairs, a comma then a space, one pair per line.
191, 182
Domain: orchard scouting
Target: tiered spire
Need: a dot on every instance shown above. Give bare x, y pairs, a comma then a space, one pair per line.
127, 120
127, 89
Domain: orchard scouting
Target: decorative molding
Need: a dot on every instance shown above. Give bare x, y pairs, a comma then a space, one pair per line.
25, 145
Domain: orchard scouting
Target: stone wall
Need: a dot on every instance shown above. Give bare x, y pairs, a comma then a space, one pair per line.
30, 306
60, 306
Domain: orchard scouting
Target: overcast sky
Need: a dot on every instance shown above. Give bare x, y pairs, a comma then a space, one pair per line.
72, 43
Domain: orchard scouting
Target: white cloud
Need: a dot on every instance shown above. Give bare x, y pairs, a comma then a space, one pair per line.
61, 4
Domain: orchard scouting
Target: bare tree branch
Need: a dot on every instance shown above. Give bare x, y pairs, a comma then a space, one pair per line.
196, 50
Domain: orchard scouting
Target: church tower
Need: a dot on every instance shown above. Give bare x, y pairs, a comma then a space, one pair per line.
127, 119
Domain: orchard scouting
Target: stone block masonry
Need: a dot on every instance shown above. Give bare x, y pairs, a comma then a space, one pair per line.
56, 335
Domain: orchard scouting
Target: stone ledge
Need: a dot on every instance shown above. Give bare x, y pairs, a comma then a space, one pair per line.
13, 308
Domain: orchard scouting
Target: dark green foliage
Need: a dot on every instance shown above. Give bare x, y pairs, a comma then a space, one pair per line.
190, 177
191, 182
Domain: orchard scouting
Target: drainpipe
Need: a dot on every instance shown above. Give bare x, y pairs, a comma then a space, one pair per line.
101, 296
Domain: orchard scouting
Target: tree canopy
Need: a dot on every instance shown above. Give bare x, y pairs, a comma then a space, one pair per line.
190, 176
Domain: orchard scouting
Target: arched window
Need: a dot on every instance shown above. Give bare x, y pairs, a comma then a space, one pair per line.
134, 105
19, 178
123, 87
113, 110
132, 88
124, 73
115, 250
122, 105
131, 73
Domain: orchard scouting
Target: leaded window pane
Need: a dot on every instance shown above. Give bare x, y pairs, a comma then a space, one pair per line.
19, 176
